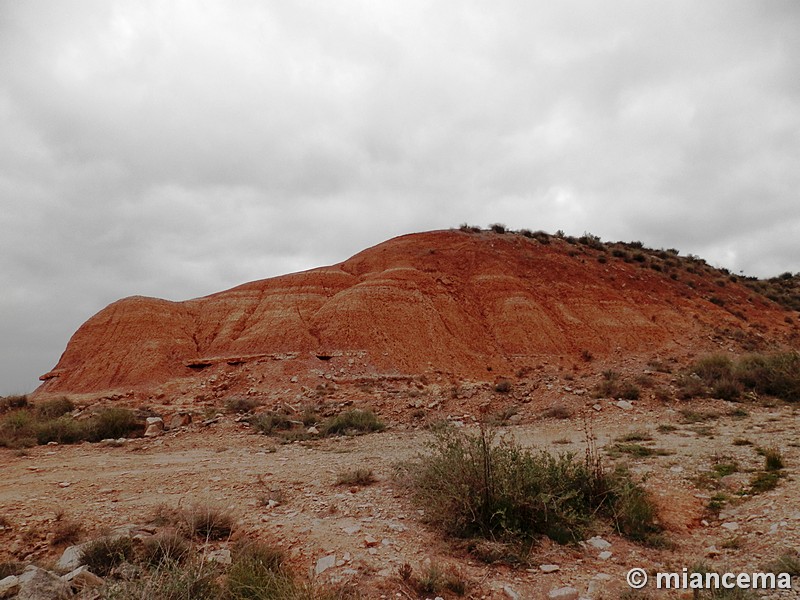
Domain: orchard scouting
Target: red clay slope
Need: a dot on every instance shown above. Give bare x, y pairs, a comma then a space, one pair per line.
446, 301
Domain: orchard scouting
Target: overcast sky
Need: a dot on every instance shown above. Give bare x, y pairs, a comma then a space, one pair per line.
175, 149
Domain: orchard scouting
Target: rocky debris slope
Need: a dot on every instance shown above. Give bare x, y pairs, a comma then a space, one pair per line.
471, 305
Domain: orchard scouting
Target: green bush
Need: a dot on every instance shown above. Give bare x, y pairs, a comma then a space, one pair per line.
271, 421
719, 376
352, 422
12, 402
52, 409
773, 460
471, 486
64, 430
113, 422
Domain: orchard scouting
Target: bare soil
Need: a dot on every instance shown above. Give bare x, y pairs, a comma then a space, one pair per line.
373, 530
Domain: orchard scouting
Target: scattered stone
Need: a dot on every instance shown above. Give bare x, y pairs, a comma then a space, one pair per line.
64, 484
549, 568
564, 593
39, 584
712, 551
352, 529
597, 407
180, 420
82, 578
624, 404
325, 563
221, 556
605, 555
312, 430
598, 542
730, 526
511, 593
370, 542
155, 427
70, 558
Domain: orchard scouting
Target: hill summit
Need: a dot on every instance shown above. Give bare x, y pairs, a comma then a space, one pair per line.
457, 304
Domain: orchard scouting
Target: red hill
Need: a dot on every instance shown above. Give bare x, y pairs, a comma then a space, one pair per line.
461, 304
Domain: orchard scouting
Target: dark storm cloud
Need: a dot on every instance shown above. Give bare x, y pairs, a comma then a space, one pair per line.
175, 149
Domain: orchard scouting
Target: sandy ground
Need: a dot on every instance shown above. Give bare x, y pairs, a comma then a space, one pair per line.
374, 530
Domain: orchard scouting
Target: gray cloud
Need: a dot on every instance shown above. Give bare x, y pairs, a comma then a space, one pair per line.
174, 150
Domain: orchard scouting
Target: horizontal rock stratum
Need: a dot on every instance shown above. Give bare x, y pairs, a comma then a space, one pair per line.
463, 304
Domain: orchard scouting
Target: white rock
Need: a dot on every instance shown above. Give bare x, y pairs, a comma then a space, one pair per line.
598, 542
155, 426
71, 558
730, 526
312, 430
624, 404
510, 592
9, 586
82, 578
39, 584
565, 593
325, 563
605, 555
549, 568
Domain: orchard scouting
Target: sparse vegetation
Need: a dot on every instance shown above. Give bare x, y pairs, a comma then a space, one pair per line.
242, 404
636, 450
473, 486
105, 553
720, 376
614, 386
208, 522
49, 422
351, 422
360, 476
773, 459
559, 411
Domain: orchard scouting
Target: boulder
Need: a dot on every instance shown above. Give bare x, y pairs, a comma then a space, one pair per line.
39, 584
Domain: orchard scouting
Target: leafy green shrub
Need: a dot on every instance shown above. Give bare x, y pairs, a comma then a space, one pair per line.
471, 486
105, 553
352, 421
